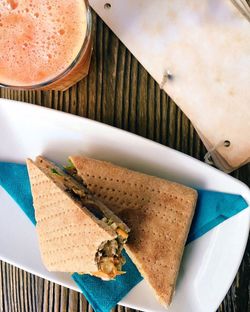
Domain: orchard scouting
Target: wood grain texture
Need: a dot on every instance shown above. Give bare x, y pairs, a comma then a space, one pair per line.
118, 91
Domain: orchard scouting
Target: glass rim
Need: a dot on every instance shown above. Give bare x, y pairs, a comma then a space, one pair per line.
70, 67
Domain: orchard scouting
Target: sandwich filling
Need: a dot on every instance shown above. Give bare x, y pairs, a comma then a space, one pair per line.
108, 257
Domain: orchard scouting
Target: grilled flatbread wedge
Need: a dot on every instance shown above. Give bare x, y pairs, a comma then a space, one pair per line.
77, 233
158, 212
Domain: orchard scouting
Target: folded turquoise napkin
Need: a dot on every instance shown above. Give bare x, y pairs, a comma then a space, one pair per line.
212, 208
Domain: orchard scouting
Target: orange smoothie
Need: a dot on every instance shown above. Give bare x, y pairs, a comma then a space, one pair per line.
40, 39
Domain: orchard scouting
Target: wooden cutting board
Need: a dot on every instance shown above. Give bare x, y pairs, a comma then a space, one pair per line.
199, 51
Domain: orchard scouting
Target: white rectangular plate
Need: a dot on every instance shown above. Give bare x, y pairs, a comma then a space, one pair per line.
210, 263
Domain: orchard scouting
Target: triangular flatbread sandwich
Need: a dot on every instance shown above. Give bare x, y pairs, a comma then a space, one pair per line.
158, 212
77, 233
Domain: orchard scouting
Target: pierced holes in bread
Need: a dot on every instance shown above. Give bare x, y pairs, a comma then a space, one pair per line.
68, 227
49, 194
180, 213
60, 237
52, 203
64, 249
67, 260
54, 215
130, 184
41, 182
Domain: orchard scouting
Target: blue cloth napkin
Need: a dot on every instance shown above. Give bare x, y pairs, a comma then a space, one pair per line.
212, 209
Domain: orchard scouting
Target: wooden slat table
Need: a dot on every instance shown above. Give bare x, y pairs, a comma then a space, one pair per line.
119, 92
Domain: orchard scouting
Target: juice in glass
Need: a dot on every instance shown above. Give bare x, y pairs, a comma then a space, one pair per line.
44, 44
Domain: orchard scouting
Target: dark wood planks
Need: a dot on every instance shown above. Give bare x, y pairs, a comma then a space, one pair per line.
119, 92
